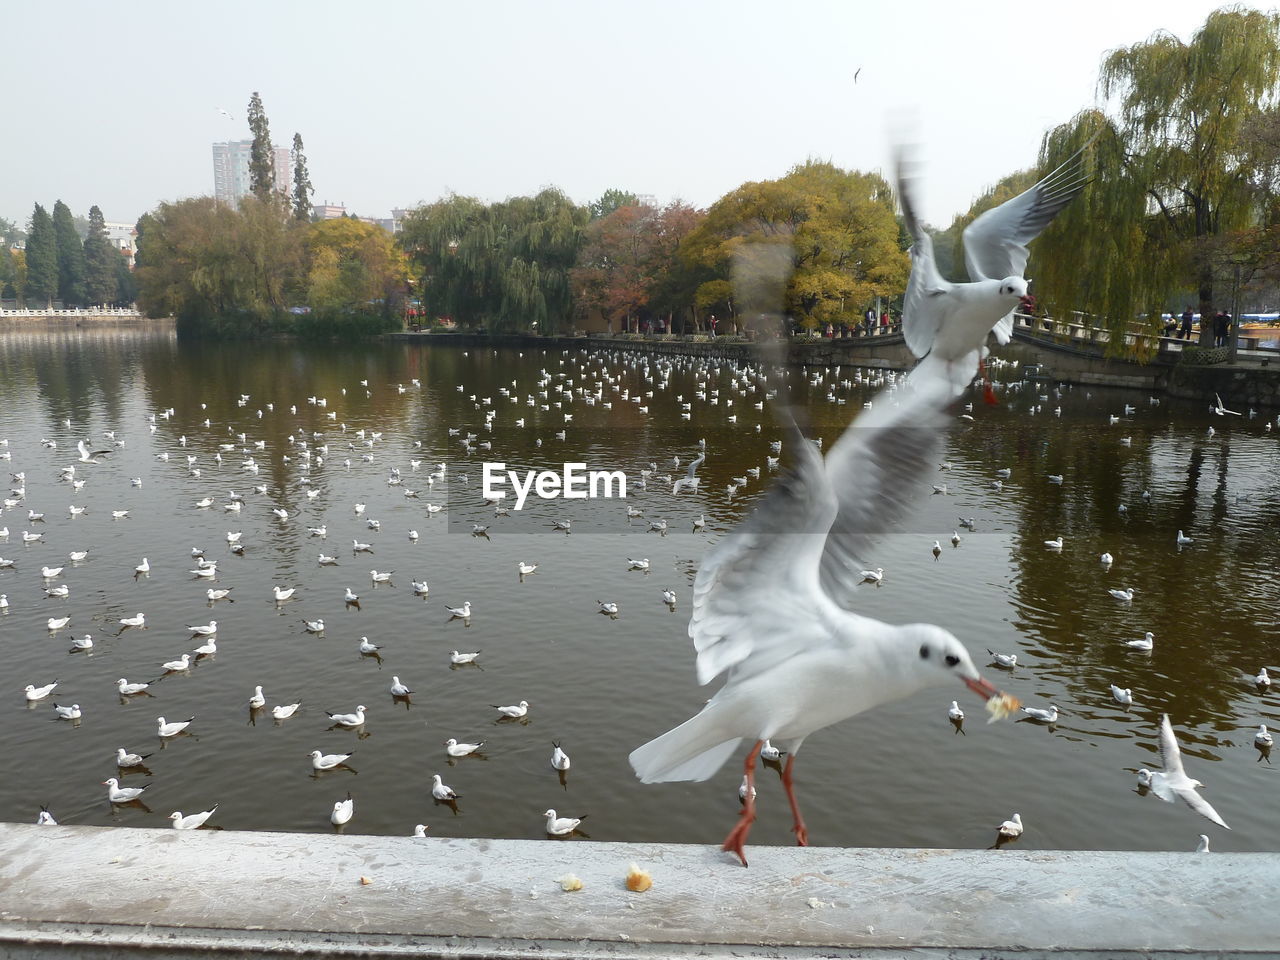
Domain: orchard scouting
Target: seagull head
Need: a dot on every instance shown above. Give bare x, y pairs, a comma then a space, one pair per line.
939, 654
1015, 288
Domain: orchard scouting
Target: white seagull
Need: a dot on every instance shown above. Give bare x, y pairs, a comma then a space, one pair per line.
398, 689
283, 711
559, 759
39, 693
166, 729
1173, 783
561, 826
119, 794
1011, 828
948, 323
348, 719
514, 711
343, 811
192, 822
1147, 643
125, 759
1122, 695
327, 761
442, 791
67, 713
456, 749
767, 610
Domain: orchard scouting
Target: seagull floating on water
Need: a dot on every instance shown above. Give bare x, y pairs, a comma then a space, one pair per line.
192, 822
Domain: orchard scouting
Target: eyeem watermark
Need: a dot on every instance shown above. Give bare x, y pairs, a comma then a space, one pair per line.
574, 482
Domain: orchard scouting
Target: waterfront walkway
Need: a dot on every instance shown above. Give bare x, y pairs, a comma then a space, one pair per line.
120, 891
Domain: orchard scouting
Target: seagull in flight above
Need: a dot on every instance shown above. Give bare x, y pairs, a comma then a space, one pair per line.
767, 607
947, 323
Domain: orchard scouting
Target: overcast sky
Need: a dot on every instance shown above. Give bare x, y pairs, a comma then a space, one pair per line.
403, 102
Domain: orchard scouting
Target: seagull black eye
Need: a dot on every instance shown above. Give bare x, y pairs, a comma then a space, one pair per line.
952, 659
924, 652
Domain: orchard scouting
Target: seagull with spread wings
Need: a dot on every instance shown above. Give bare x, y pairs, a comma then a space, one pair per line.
1173, 783
948, 323
768, 607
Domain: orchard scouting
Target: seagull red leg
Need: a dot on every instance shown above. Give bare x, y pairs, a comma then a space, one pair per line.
738, 835
988, 392
800, 830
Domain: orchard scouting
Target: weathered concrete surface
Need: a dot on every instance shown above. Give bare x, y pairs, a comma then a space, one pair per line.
185, 893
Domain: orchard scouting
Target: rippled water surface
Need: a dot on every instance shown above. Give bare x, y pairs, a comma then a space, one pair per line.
898, 776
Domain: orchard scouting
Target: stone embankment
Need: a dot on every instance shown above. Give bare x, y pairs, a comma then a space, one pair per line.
120, 892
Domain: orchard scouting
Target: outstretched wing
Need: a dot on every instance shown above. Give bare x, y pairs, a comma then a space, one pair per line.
1201, 806
1170, 755
874, 469
921, 313
995, 244
761, 581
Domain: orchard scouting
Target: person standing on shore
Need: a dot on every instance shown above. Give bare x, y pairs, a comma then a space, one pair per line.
1184, 332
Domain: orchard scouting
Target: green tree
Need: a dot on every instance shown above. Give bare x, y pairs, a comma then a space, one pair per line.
101, 261
841, 227
126, 286
504, 265
70, 251
353, 266
611, 200
10, 232
42, 259
302, 189
262, 172
1173, 172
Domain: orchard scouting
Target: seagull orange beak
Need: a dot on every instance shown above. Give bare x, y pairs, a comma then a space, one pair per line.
981, 687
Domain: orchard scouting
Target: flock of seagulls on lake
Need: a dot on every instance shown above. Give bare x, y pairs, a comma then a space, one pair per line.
735, 597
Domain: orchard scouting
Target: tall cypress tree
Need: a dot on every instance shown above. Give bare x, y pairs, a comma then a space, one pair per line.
262, 172
71, 266
100, 261
302, 188
42, 259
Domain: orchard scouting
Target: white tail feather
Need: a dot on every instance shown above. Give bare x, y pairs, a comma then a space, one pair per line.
695, 750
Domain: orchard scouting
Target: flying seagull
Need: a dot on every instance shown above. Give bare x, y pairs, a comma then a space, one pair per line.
948, 323
1173, 783
766, 608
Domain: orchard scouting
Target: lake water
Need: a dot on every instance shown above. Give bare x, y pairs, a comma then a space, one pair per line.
600, 686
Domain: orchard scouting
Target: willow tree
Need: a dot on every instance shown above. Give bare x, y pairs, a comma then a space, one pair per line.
503, 265
842, 231
1173, 171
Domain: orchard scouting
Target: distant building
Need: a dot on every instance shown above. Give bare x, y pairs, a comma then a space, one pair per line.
231, 170
646, 200
122, 236
328, 211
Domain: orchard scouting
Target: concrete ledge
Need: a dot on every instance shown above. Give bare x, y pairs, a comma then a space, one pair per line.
123, 891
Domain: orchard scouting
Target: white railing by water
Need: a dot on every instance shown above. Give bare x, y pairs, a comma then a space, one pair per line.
27, 312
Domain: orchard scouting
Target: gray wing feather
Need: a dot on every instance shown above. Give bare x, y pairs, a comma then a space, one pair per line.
1170, 754
780, 544
1201, 806
872, 469
995, 244
920, 316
